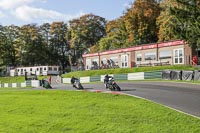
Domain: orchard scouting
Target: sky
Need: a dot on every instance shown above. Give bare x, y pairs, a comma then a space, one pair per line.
21, 12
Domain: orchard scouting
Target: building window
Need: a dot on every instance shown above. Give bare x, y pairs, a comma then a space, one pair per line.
178, 56
114, 61
139, 57
124, 59
50, 68
167, 54
150, 56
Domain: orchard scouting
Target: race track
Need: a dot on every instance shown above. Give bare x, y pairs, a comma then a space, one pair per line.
180, 96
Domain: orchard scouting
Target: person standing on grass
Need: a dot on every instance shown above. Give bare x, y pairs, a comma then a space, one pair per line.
49, 79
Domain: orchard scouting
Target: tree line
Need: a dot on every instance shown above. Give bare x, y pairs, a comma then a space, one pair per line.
60, 43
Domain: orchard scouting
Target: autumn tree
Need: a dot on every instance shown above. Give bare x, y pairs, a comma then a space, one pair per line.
167, 22
116, 35
140, 21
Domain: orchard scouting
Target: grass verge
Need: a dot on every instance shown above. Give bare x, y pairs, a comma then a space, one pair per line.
56, 111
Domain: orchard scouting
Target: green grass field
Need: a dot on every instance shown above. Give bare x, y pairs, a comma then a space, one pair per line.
57, 111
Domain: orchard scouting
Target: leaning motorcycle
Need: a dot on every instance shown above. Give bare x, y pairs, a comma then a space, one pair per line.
78, 85
112, 85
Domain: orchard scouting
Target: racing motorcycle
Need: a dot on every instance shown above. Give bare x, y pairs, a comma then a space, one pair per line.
112, 85
78, 85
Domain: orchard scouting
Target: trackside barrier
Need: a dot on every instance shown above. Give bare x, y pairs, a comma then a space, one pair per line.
120, 76
31, 83
66, 80
153, 75
181, 75
129, 76
95, 78
6, 85
84, 79
136, 76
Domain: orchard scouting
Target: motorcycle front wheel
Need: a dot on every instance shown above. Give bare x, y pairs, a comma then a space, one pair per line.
81, 87
117, 87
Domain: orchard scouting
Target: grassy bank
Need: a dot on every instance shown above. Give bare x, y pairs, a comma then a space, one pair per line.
56, 111
17, 79
126, 70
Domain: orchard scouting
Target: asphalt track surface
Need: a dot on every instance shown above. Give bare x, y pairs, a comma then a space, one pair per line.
183, 97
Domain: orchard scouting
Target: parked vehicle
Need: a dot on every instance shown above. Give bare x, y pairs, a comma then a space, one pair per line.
77, 84
112, 85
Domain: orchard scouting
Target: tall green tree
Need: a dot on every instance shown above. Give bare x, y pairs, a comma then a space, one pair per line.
45, 32
31, 46
8, 45
59, 46
86, 31
187, 15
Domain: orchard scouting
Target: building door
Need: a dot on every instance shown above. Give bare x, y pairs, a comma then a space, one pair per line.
124, 61
178, 56
88, 64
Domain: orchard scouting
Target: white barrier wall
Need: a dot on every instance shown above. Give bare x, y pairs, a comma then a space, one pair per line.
66, 80
6, 85
35, 83
136, 76
85, 79
14, 85
23, 84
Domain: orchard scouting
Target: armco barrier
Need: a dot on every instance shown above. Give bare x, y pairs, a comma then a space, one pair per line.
95, 78
120, 76
153, 75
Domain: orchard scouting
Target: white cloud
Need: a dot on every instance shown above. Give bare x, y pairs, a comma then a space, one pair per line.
29, 14
127, 5
1, 14
43, 1
11, 4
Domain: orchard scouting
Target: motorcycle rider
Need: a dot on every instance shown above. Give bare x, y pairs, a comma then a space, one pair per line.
73, 80
106, 79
